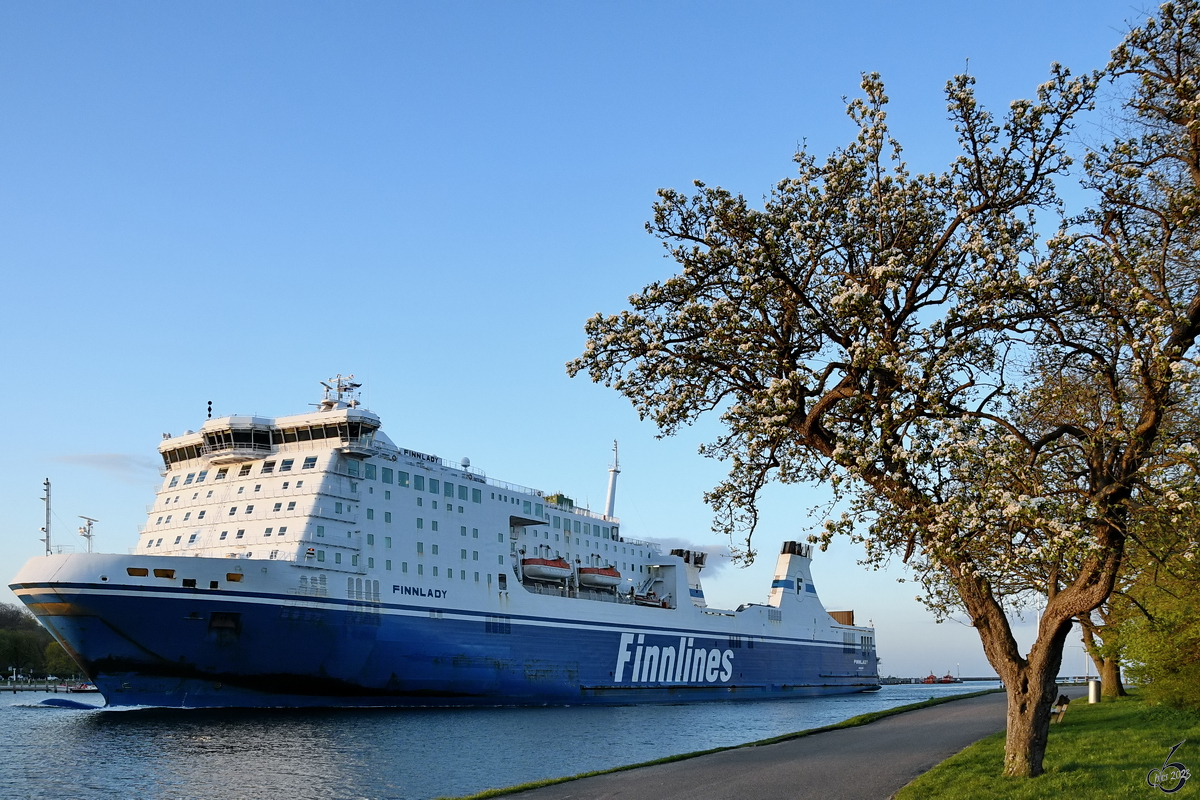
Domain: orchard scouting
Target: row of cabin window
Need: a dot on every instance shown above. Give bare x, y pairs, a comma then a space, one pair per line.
291, 506
417, 482
268, 468
462, 553
257, 487
586, 542
224, 535
387, 565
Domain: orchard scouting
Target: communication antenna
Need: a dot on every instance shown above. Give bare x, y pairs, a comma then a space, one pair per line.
209, 416
46, 530
86, 530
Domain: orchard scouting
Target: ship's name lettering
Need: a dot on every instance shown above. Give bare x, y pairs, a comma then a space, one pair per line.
420, 456
417, 591
684, 661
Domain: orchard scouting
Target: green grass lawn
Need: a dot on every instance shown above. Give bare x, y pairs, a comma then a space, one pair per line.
1098, 751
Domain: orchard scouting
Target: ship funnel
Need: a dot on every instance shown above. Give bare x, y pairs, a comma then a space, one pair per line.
613, 472
793, 579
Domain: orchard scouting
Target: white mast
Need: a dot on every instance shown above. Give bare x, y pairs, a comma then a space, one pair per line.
86, 530
46, 530
613, 472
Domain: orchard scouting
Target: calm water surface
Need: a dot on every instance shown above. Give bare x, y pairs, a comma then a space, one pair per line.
382, 753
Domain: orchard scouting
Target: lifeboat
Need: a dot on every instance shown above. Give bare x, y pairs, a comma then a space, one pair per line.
599, 577
545, 569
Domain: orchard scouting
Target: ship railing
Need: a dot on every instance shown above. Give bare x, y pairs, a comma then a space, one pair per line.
252, 449
642, 543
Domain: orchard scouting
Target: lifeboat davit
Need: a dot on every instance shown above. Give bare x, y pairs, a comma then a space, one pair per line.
599, 577
545, 569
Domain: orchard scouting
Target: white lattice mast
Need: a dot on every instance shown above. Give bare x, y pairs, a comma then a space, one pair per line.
613, 472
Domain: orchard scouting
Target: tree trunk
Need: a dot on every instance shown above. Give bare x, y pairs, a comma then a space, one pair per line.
1108, 667
1110, 678
1031, 693
1029, 681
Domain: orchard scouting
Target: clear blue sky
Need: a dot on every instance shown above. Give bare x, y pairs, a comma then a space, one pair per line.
230, 201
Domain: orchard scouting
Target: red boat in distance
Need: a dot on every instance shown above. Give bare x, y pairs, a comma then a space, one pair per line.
947, 678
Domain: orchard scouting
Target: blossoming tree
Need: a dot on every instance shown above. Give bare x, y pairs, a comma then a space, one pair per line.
983, 405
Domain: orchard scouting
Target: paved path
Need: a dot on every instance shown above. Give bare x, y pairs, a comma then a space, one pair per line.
869, 761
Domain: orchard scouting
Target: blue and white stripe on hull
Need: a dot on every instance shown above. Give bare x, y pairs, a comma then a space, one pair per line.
167, 647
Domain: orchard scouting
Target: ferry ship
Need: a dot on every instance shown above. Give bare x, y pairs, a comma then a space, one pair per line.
306, 560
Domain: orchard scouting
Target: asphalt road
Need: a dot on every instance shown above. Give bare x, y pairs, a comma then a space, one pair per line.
862, 763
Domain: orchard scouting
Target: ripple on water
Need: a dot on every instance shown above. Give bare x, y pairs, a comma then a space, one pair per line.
330, 754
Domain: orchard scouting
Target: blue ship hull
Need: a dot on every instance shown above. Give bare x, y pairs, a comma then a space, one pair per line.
185, 648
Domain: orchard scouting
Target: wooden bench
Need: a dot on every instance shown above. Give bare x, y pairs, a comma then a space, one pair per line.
1058, 711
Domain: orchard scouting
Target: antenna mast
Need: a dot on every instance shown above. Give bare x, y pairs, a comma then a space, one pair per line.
46, 530
86, 530
613, 472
